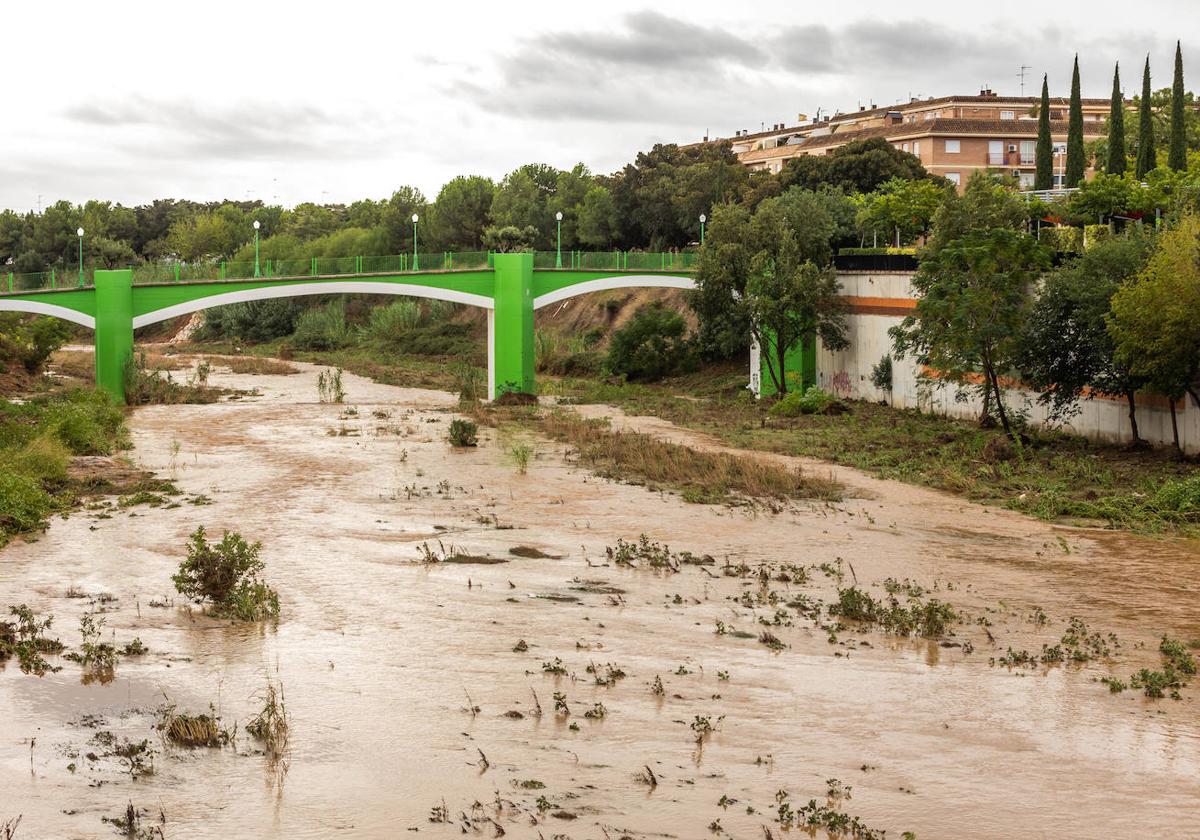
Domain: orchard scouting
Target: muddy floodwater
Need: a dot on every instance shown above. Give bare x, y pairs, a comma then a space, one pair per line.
411, 698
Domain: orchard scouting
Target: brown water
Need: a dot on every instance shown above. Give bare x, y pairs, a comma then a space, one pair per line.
377, 653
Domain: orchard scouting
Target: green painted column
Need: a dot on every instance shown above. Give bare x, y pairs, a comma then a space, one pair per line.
800, 359
114, 329
512, 331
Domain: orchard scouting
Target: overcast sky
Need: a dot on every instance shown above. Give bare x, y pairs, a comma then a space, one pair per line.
303, 101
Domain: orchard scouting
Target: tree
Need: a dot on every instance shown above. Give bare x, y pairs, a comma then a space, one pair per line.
973, 302
789, 299
904, 207
597, 218
861, 166
1177, 156
769, 275
396, 219
1146, 158
1076, 162
660, 196
1067, 349
1044, 178
722, 269
522, 201
461, 212
1153, 321
1116, 128
985, 203
652, 345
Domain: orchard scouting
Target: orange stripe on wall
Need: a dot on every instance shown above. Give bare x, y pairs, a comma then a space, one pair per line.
879, 305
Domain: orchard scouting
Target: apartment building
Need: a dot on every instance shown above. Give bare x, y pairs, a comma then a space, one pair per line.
953, 136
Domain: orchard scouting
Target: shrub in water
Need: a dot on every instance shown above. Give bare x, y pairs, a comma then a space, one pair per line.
225, 574
652, 345
463, 433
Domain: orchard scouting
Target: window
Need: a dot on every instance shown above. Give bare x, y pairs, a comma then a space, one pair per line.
1027, 179
954, 178
1008, 115
953, 147
1028, 152
917, 148
904, 147
996, 153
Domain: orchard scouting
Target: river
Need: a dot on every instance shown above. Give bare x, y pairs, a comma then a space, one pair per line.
405, 692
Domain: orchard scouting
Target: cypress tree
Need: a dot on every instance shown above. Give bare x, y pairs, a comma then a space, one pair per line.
1116, 127
1146, 158
1177, 157
1075, 153
1044, 179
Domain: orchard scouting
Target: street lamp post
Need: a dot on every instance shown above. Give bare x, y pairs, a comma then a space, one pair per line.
416, 264
703, 219
257, 225
80, 232
558, 259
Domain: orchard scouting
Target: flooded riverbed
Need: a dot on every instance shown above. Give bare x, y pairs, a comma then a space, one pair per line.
411, 698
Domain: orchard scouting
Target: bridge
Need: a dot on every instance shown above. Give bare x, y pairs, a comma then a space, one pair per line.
510, 287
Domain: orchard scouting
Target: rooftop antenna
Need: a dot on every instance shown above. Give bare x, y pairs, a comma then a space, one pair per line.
1021, 76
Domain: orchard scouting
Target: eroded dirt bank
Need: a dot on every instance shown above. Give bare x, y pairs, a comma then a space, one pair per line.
381, 657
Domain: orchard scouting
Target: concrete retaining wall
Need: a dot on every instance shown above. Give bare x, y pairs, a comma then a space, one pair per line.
880, 301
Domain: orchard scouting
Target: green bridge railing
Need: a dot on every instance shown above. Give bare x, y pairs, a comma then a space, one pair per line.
210, 270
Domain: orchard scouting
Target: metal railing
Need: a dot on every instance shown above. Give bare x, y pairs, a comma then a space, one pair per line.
215, 270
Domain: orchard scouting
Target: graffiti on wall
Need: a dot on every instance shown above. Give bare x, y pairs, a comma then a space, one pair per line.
839, 384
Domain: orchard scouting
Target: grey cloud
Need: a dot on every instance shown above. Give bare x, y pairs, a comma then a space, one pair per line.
806, 49
658, 41
172, 129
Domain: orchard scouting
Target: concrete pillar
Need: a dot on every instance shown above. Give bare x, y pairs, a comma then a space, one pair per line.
114, 329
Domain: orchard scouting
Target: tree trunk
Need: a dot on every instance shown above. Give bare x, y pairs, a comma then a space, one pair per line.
1133, 426
991, 375
1175, 426
781, 355
777, 378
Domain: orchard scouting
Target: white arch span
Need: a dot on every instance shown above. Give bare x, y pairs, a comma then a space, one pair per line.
36, 307
604, 284
301, 289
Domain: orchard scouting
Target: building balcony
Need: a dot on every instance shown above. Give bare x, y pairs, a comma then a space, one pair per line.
997, 159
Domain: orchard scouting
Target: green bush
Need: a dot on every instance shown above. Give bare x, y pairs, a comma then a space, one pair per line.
30, 341
881, 374
225, 574
1177, 495
652, 345
388, 323
43, 459
255, 321
463, 433
440, 339
812, 401
24, 505
323, 328
87, 422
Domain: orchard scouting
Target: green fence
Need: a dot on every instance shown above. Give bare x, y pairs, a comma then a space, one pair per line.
181, 272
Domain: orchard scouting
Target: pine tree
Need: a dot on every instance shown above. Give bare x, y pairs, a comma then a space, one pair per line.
1044, 179
1075, 153
1146, 158
1177, 157
1116, 128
